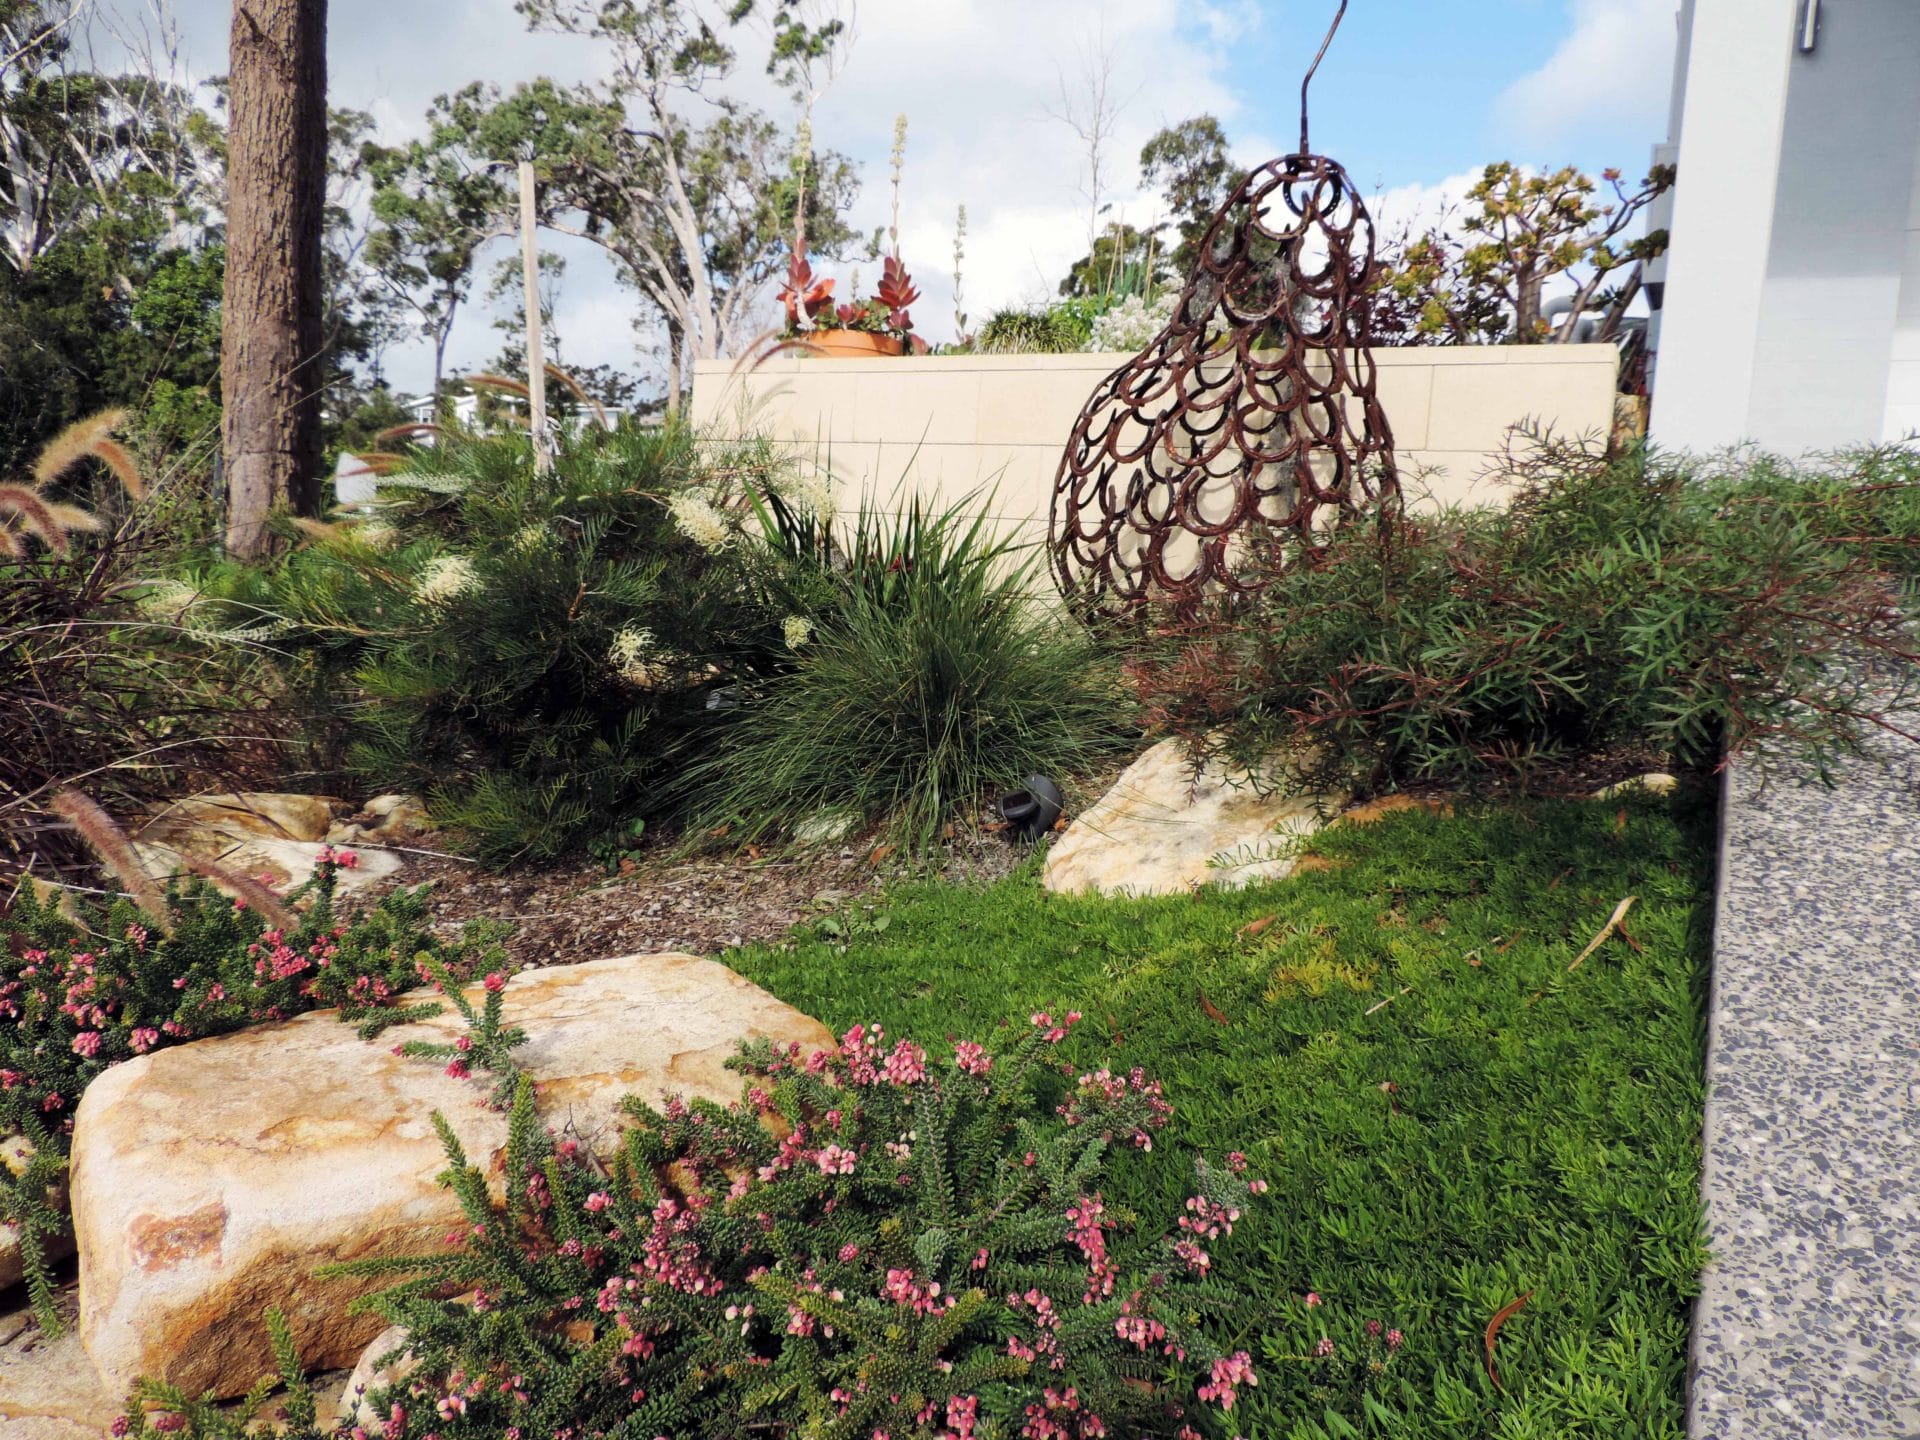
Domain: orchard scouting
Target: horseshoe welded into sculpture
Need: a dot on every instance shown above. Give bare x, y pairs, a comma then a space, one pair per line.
1253, 414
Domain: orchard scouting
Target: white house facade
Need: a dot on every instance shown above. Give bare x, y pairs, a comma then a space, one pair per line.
1789, 301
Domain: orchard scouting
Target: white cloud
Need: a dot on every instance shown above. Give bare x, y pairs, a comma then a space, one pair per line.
1615, 67
1416, 209
977, 79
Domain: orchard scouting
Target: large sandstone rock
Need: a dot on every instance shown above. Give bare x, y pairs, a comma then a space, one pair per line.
273, 814
16, 1153
1161, 830
383, 820
273, 837
370, 1376
209, 1180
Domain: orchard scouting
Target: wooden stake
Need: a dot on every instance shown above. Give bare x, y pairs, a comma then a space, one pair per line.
536, 353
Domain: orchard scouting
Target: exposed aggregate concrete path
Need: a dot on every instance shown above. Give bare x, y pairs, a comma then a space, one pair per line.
1808, 1325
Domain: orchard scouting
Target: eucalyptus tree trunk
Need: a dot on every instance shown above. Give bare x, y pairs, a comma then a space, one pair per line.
271, 343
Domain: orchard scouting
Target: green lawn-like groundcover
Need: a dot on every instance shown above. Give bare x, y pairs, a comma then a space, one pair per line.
1501, 1126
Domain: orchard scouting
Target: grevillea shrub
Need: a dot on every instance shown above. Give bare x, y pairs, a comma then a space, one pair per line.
868, 1243
533, 652
89, 986
1609, 601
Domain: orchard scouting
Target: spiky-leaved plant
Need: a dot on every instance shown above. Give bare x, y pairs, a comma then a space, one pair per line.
86, 985
866, 1244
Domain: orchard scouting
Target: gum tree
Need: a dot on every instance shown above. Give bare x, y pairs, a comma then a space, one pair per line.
275, 278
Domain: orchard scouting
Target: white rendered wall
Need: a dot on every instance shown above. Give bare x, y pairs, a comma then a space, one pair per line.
942, 427
1792, 314
1733, 114
1840, 215
1903, 370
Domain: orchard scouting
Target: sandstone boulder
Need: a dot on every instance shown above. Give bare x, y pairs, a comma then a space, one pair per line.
273, 814
211, 1179
276, 838
279, 864
1162, 830
369, 1375
1654, 782
383, 820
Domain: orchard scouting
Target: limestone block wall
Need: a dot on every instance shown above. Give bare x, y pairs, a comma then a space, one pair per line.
942, 427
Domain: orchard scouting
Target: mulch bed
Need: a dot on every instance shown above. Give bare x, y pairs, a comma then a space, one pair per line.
666, 900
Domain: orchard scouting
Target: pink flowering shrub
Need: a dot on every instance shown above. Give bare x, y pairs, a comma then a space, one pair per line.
81, 993
871, 1244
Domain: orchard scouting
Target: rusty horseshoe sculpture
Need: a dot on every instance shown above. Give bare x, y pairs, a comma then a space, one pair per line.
1251, 418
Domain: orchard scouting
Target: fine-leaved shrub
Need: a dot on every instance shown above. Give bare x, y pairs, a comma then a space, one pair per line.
1610, 601
869, 1242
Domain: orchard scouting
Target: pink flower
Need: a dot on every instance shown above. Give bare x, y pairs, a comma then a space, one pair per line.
972, 1057
87, 1043
1312, 1298
907, 1065
495, 982
1395, 1339
849, 1252
1325, 1347
834, 1160
599, 1201
143, 1039
1228, 1373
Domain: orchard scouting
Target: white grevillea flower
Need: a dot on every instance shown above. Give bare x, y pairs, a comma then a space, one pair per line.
375, 534
1133, 323
812, 490
445, 578
699, 521
532, 537
628, 655
798, 630
168, 599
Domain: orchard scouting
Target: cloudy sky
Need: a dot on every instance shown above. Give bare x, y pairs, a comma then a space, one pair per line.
1413, 97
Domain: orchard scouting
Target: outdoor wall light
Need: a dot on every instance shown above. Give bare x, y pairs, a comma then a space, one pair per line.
1031, 813
1809, 26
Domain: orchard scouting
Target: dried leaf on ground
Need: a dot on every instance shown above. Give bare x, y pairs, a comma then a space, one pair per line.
1504, 1314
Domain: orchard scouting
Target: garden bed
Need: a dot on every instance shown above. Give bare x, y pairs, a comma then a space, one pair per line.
1451, 1116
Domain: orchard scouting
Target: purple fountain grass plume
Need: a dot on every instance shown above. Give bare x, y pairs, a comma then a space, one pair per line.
35, 517
108, 841
114, 456
243, 887
74, 444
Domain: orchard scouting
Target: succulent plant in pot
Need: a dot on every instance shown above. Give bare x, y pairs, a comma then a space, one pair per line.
878, 324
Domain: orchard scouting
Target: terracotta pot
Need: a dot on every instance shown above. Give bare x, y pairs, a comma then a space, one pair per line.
849, 344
